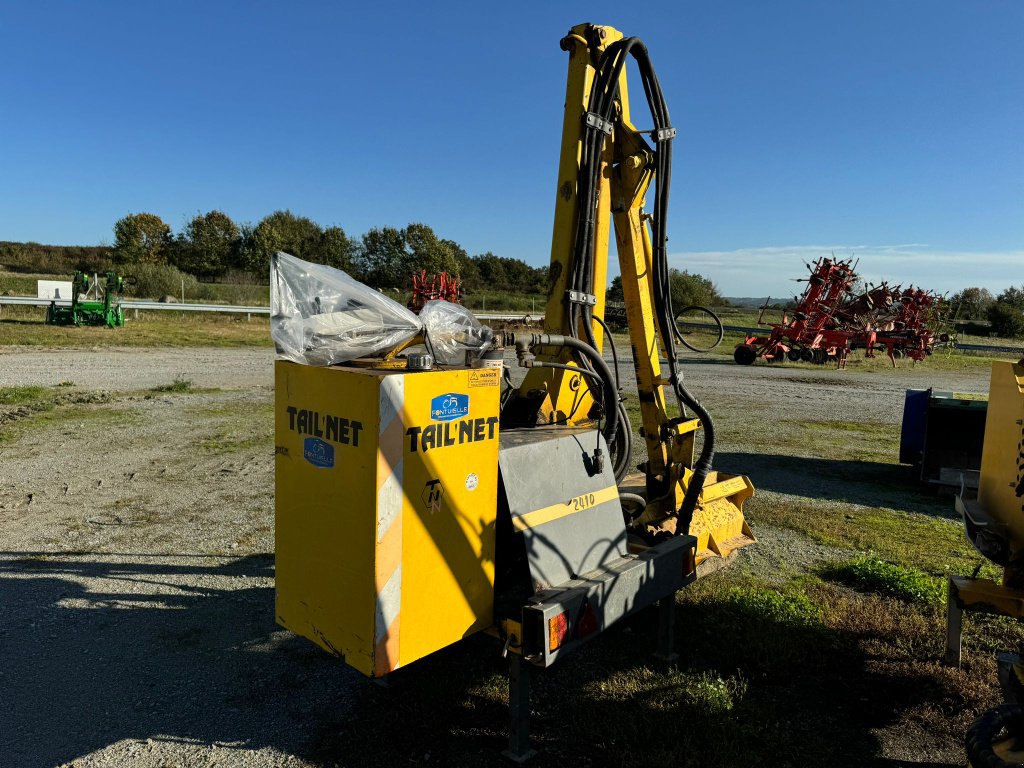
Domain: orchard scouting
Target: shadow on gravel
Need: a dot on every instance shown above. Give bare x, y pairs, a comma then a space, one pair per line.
869, 483
129, 659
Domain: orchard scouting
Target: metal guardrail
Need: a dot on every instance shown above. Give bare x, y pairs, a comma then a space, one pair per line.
31, 301
132, 304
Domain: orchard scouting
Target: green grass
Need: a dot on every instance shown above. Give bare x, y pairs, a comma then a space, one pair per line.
23, 394
179, 384
68, 416
765, 605
24, 326
922, 540
869, 574
24, 284
229, 442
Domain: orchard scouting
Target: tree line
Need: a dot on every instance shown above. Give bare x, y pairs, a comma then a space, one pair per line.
688, 289
1004, 312
211, 245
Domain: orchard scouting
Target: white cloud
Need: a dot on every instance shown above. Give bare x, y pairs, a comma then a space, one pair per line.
771, 270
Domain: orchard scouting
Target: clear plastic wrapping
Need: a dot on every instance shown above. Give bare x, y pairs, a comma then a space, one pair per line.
322, 316
452, 329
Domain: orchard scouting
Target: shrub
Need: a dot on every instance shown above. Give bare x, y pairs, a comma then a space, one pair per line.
180, 384
1006, 319
156, 280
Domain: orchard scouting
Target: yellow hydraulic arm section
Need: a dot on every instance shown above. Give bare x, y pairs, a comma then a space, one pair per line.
561, 396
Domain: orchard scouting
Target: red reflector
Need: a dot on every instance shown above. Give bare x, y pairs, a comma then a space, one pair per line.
588, 622
558, 628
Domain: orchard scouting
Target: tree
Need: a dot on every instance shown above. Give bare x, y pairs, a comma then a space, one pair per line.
492, 271
1014, 297
337, 249
141, 238
690, 288
280, 231
1007, 320
383, 259
469, 273
425, 251
615, 291
206, 248
972, 303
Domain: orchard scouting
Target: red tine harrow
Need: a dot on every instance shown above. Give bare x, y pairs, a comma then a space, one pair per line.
829, 320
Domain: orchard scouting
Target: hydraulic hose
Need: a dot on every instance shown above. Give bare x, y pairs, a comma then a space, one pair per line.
609, 397
603, 96
600, 370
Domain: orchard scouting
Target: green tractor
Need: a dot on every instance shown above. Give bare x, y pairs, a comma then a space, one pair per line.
103, 308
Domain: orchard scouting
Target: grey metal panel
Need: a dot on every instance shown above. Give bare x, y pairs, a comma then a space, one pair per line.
610, 593
548, 467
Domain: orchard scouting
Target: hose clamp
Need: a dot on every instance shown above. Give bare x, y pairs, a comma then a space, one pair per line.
594, 120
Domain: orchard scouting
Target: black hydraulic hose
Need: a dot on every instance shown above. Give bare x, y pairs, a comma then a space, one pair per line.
603, 93
623, 451
609, 397
603, 96
615, 355
573, 368
703, 464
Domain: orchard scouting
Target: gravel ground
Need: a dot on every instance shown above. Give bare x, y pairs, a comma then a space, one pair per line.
136, 541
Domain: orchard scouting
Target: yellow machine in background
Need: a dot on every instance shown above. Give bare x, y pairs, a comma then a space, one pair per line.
994, 523
419, 503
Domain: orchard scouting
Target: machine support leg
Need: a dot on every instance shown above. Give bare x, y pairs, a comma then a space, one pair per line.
667, 629
954, 625
519, 710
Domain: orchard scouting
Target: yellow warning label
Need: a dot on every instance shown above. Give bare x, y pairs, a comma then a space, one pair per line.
484, 377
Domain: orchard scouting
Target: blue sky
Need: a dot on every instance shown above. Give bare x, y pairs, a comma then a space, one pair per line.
893, 131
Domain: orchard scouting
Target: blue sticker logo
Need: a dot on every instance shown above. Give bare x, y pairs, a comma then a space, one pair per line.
318, 453
449, 407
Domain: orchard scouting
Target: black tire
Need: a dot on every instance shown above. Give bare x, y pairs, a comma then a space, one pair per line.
793, 355
744, 355
807, 355
990, 727
709, 321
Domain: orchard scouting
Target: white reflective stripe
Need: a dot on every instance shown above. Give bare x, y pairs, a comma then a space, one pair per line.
392, 399
389, 494
389, 501
389, 603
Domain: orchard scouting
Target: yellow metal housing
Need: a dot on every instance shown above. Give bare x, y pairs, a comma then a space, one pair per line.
998, 512
1002, 459
386, 486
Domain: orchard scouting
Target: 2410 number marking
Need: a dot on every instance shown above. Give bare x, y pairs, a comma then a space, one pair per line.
586, 501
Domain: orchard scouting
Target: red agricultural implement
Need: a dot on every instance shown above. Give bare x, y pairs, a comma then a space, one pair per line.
829, 321
431, 287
